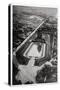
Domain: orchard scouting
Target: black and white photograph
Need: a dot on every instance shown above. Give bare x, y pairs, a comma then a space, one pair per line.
33, 46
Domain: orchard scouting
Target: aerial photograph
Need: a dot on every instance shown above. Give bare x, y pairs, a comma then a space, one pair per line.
34, 45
